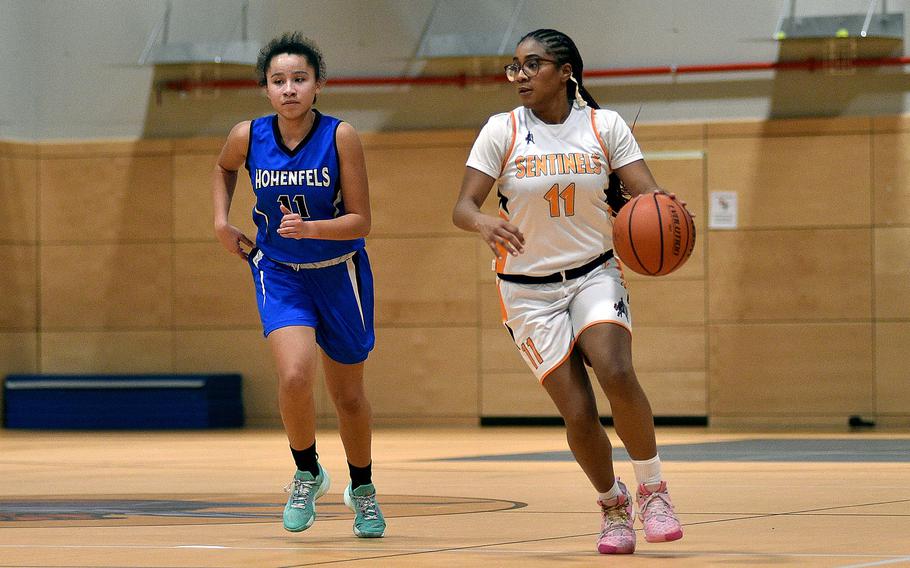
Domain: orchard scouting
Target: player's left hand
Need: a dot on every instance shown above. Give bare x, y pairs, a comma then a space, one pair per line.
674, 198
292, 225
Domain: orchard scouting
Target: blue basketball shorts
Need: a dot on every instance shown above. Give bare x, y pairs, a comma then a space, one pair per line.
335, 300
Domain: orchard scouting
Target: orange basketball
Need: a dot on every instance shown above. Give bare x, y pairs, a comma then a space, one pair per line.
653, 234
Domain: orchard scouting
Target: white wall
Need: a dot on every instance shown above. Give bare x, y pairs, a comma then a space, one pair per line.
17, 80
69, 67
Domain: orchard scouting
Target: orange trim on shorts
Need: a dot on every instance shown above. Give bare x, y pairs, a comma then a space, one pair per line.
502, 305
600, 140
556, 366
505, 158
574, 341
593, 323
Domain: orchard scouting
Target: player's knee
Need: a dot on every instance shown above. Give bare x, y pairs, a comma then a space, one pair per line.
582, 417
295, 380
350, 403
616, 375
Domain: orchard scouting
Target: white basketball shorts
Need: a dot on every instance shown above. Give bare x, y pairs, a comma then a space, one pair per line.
545, 320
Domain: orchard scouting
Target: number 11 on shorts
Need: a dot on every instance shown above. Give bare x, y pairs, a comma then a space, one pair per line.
531, 352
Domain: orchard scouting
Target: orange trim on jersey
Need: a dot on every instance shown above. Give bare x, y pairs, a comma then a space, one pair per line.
574, 341
503, 253
505, 158
622, 274
600, 140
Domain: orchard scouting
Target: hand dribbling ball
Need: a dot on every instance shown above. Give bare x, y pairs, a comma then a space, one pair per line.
653, 234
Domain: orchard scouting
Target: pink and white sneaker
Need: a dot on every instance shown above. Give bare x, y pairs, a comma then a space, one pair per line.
656, 512
616, 533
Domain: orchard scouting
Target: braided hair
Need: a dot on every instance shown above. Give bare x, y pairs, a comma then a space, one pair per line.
564, 50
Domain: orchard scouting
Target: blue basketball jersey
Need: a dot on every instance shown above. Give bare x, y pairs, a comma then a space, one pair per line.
305, 179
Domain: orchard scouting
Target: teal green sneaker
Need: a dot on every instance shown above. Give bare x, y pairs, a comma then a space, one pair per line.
304, 489
368, 519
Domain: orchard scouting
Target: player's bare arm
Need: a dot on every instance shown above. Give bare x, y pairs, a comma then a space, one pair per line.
637, 179
355, 193
224, 181
495, 231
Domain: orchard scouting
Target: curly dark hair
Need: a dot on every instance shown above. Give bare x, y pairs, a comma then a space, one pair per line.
296, 44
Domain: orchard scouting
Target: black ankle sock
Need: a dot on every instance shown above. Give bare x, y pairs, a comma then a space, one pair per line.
360, 475
306, 460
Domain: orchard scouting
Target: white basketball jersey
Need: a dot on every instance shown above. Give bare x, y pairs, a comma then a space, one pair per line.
552, 179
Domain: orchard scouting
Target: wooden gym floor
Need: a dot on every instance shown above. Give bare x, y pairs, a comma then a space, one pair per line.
452, 497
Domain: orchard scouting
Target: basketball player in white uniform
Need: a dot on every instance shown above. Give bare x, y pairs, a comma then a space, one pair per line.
563, 296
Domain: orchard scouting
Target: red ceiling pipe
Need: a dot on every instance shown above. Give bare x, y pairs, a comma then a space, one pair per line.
465, 80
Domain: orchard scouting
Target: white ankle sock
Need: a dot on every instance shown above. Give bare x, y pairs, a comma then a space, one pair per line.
612, 493
647, 472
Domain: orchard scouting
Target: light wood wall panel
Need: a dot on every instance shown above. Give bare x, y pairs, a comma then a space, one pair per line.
682, 174
676, 393
668, 359
796, 181
423, 281
671, 394
490, 310
520, 394
19, 286
110, 198
510, 388
673, 136
18, 149
515, 394
112, 286
891, 182
498, 353
789, 127
18, 354
892, 374
413, 190
777, 313
790, 275
789, 370
243, 351
105, 148
212, 288
678, 348
193, 212
18, 199
892, 273
424, 372
671, 364
107, 352
658, 301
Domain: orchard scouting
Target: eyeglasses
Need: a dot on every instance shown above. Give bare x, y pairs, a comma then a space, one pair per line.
531, 68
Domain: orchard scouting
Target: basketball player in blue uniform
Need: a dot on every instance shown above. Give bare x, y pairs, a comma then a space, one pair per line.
311, 272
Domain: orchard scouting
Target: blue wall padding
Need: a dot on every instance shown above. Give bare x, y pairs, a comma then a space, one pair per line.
122, 402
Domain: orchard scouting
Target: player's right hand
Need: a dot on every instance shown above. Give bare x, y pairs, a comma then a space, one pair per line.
232, 238
500, 235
